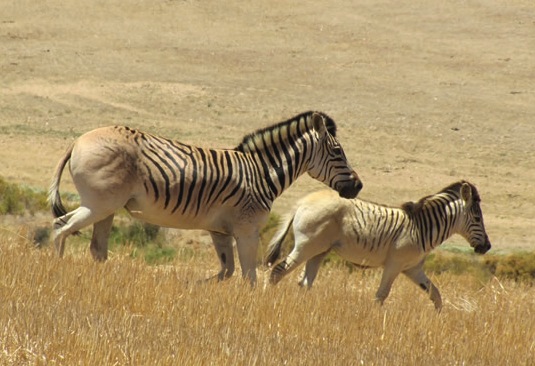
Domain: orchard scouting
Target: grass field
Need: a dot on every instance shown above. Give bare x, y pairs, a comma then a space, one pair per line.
424, 93
124, 312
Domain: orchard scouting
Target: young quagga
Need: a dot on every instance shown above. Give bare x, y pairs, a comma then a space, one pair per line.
371, 235
228, 192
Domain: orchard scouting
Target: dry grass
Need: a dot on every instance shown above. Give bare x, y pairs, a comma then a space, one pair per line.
75, 311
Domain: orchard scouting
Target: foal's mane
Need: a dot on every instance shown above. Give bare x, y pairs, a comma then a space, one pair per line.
414, 208
249, 142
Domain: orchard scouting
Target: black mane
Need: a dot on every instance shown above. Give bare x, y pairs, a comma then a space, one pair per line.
415, 208
329, 123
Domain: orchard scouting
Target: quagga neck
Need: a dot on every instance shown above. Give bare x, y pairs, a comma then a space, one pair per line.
283, 152
436, 218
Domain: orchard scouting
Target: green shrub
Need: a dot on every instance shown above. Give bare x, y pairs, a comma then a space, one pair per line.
16, 199
159, 255
138, 234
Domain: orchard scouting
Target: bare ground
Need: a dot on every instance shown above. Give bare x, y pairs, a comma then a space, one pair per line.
424, 92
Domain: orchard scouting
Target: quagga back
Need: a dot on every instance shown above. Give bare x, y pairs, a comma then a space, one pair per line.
372, 235
228, 192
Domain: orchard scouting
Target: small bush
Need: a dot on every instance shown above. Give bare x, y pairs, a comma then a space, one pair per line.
157, 255
138, 234
519, 267
16, 199
41, 235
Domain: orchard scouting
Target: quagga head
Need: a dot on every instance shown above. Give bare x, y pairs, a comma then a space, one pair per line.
329, 163
473, 228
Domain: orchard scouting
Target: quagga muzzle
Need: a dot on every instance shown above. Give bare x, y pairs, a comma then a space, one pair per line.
372, 235
228, 192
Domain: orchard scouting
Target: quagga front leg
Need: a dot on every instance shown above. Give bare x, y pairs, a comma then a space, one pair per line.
225, 253
417, 275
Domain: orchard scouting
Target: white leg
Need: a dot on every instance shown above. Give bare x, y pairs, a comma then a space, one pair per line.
390, 272
99, 240
302, 251
417, 275
311, 270
247, 245
225, 253
73, 221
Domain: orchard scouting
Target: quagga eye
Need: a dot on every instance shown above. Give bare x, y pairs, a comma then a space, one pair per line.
337, 150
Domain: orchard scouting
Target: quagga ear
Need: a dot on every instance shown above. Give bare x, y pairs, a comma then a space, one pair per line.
319, 124
466, 192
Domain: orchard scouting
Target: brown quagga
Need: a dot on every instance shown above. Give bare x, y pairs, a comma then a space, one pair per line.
228, 192
372, 235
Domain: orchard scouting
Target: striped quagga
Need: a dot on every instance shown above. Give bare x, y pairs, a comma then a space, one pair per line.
228, 192
372, 235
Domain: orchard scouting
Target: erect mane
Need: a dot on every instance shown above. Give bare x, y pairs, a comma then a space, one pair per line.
256, 140
415, 208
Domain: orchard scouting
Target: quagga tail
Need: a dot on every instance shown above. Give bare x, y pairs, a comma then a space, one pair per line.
371, 235
275, 245
54, 197
228, 192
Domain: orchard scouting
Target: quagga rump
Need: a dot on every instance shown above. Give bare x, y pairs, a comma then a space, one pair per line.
228, 192
372, 235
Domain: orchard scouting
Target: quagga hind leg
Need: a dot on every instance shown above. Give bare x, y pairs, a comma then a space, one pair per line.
225, 253
311, 270
417, 275
99, 240
70, 223
300, 253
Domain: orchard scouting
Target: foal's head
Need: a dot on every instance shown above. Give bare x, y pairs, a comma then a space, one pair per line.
472, 226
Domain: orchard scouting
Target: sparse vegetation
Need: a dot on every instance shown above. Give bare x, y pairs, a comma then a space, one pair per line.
76, 311
158, 310
16, 199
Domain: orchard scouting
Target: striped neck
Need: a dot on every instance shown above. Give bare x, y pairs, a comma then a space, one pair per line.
283, 150
436, 218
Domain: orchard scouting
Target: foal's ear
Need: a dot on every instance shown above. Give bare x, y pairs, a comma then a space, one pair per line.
319, 124
466, 192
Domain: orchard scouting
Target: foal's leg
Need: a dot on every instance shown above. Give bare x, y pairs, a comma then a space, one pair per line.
303, 250
99, 240
225, 254
390, 272
417, 275
311, 270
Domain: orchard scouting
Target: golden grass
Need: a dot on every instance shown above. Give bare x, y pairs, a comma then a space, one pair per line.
124, 312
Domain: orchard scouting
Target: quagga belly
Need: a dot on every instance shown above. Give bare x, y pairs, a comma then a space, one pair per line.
372, 235
228, 192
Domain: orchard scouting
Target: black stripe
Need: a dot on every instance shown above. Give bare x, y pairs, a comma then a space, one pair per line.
238, 184
156, 150
266, 174
226, 158
182, 171
164, 176
193, 175
153, 183
215, 166
203, 180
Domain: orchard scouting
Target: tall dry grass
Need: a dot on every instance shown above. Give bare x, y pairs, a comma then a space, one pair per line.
124, 312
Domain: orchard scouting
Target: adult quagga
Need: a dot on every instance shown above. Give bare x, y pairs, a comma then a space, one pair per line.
372, 235
228, 192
